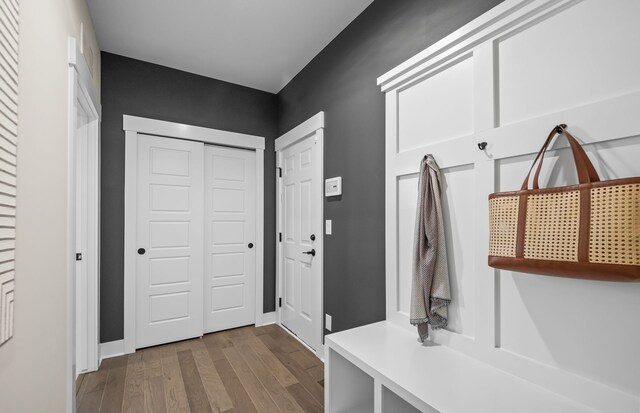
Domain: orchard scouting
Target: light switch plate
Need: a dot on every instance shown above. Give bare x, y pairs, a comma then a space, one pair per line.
327, 227
327, 322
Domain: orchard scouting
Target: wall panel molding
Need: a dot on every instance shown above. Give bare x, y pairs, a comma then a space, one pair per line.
542, 329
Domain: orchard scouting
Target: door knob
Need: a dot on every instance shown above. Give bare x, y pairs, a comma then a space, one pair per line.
250, 245
313, 237
312, 252
141, 251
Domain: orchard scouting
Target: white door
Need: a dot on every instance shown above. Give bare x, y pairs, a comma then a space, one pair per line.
229, 238
302, 234
170, 240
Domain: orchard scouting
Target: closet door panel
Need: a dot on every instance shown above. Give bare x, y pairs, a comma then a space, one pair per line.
569, 58
169, 236
229, 239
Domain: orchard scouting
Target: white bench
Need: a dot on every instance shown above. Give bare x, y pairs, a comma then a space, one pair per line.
382, 368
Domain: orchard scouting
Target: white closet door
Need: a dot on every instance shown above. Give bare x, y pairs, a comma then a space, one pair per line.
170, 240
301, 307
230, 227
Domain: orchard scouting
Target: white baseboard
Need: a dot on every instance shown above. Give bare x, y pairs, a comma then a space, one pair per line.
319, 353
116, 348
111, 349
267, 318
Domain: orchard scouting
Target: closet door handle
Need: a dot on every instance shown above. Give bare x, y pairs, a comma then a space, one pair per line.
141, 251
250, 245
312, 252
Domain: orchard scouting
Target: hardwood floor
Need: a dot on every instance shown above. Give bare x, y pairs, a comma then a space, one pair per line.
244, 370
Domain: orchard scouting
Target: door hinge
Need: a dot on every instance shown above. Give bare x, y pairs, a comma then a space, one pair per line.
79, 256
280, 302
280, 236
279, 171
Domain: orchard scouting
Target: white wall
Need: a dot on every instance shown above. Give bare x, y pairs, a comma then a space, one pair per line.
507, 79
34, 363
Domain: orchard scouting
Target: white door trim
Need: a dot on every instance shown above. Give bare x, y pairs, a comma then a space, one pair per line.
82, 92
312, 126
132, 126
300, 132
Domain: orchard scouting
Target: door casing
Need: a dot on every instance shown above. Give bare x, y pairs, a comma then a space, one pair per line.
84, 163
133, 126
314, 126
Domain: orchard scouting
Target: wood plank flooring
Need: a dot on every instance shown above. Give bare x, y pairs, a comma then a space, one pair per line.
243, 370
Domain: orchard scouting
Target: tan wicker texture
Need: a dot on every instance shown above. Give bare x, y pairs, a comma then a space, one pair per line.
551, 230
615, 225
503, 226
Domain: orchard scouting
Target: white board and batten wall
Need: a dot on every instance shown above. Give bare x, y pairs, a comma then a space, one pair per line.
507, 79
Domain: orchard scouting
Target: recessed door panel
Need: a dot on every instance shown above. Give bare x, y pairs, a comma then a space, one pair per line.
168, 270
169, 161
167, 234
306, 290
169, 198
306, 212
228, 232
289, 288
227, 297
228, 168
230, 219
169, 307
228, 200
227, 265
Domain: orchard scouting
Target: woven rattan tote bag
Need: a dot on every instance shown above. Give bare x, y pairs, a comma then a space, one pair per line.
590, 230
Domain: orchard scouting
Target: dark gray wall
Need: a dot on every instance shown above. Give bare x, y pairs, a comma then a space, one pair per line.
138, 88
341, 81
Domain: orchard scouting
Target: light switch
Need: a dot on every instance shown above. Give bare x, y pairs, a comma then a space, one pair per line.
327, 227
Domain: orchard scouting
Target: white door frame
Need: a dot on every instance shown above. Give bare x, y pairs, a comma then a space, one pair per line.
312, 126
133, 125
82, 93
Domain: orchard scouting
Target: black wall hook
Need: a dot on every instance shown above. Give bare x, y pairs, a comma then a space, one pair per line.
482, 145
560, 127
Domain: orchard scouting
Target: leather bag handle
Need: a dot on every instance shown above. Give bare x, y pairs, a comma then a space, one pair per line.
586, 172
583, 163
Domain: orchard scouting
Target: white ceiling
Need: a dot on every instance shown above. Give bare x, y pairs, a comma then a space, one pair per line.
257, 43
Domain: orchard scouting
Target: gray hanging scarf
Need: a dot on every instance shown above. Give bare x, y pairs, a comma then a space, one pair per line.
430, 292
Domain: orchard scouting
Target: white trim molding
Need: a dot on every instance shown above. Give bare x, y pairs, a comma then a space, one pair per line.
192, 133
132, 126
83, 96
77, 61
312, 126
301, 131
111, 349
268, 318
